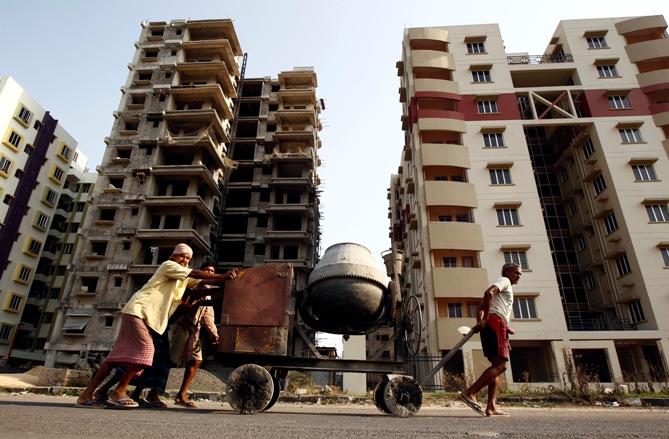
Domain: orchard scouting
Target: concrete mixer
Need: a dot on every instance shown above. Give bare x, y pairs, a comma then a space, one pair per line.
267, 328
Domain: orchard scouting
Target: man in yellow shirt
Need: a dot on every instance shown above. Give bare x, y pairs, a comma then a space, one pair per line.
148, 309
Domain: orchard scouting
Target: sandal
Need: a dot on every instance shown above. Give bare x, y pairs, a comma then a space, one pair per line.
123, 403
89, 404
472, 404
143, 403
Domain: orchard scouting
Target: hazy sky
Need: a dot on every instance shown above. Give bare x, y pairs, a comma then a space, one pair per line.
72, 55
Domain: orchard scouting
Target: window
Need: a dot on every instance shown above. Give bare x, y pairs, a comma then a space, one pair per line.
475, 47
5, 332
5, 166
109, 321
517, 257
630, 135
664, 251
14, 303
500, 176
619, 102
644, 172
635, 310
487, 106
50, 197
524, 308
623, 265
24, 116
67, 248
444, 218
590, 280
581, 243
588, 149
22, 274
57, 174
13, 140
596, 43
450, 262
571, 207
508, 217
41, 221
33, 247
85, 188
65, 152
455, 310
47, 317
599, 184
481, 76
657, 213
493, 140
607, 71
610, 223
118, 281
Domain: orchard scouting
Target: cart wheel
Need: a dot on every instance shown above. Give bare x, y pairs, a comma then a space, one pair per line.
412, 325
378, 396
403, 396
249, 389
275, 393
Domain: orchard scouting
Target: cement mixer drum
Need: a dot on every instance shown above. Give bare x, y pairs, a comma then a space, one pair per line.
346, 293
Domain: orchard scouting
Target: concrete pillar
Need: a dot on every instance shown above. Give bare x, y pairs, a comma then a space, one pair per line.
663, 347
560, 364
354, 349
614, 363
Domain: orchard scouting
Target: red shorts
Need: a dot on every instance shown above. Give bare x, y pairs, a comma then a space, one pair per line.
495, 338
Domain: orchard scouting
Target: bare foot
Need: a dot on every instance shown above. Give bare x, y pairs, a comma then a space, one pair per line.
496, 412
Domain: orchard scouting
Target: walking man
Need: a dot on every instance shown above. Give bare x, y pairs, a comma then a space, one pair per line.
493, 324
147, 310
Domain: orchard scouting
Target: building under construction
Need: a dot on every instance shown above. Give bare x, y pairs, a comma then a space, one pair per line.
166, 176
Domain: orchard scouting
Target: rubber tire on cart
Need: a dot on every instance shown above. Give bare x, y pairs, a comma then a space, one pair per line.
379, 402
403, 396
275, 392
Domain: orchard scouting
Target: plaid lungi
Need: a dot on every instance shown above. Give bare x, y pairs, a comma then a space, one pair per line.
494, 338
134, 345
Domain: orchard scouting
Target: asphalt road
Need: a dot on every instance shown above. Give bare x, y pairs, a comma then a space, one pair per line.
34, 416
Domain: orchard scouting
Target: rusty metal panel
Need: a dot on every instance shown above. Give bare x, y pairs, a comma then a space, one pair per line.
258, 297
254, 339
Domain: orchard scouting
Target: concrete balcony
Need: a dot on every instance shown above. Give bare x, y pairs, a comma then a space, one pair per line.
297, 96
641, 24
199, 93
441, 124
196, 140
206, 30
297, 207
434, 154
647, 50
459, 281
203, 70
447, 331
432, 58
181, 202
306, 135
142, 269
661, 119
296, 116
450, 193
298, 78
203, 49
175, 235
198, 171
291, 181
455, 236
428, 33
436, 85
203, 118
658, 78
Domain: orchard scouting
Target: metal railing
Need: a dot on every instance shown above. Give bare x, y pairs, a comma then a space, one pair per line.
540, 59
577, 323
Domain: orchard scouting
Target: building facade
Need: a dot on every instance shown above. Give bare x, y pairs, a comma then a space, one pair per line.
555, 162
168, 176
271, 209
40, 175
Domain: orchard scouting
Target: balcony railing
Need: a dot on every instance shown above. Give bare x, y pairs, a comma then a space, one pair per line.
578, 323
540, 59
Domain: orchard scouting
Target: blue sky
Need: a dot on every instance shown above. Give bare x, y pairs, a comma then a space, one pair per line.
72, 57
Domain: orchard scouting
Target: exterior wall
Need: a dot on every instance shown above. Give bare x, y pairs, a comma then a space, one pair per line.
54, 173
561, 95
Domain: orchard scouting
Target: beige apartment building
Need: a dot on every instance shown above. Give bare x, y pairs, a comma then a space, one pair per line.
557, 162
41, 177
168, 176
